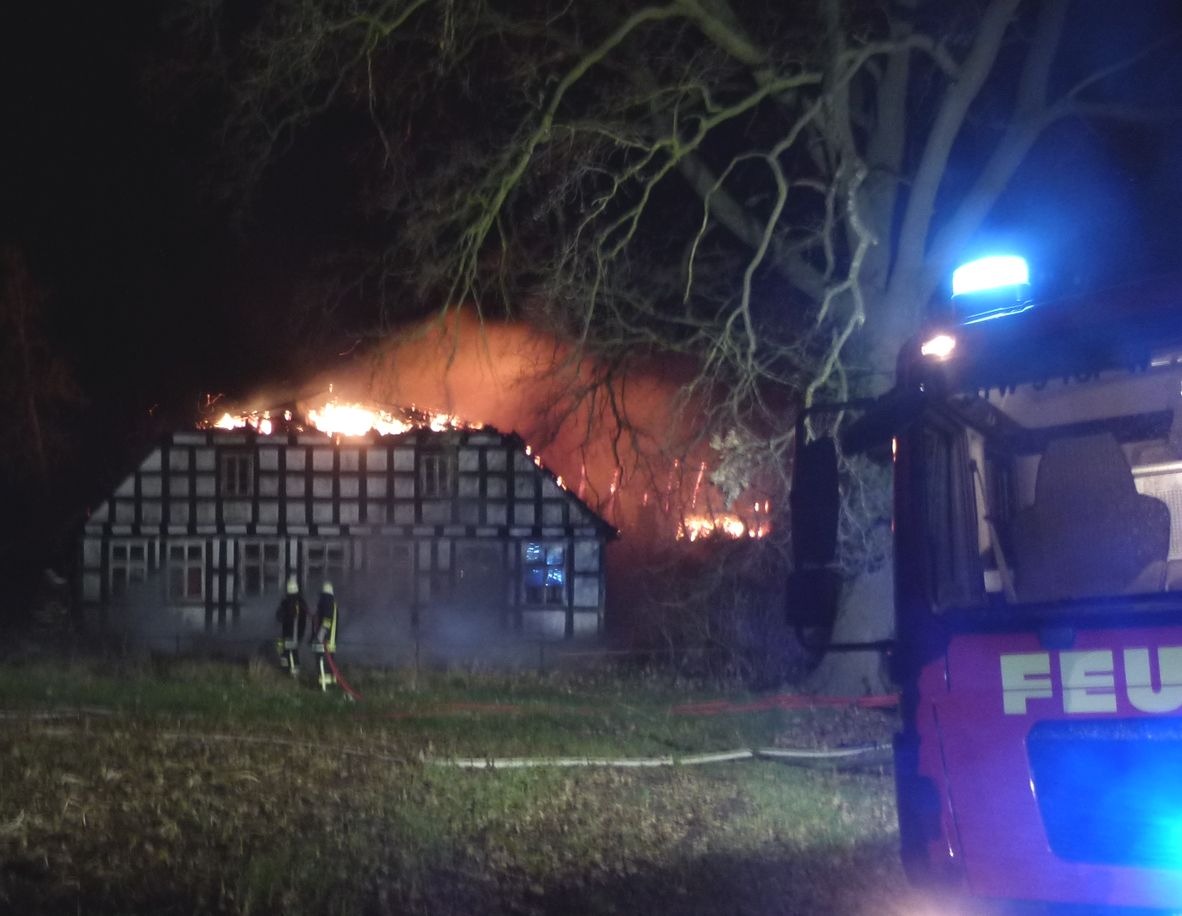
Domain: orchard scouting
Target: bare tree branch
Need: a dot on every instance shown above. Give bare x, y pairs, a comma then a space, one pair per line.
937, 147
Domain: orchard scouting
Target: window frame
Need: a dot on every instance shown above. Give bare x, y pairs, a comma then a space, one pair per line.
271, 571
437, 473
546, 595
191, 568
236, 473
317, 566
133, 571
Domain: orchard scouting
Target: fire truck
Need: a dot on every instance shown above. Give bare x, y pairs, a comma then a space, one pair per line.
1037, 454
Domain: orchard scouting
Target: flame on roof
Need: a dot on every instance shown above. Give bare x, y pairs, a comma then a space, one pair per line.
334, 417
340, 419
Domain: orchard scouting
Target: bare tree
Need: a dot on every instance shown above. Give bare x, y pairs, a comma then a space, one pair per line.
38, 401
34, 381
763, 188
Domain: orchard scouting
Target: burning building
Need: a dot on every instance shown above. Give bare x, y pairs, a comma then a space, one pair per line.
430, 528
420, 516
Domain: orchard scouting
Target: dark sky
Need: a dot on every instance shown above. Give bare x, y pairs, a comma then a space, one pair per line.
96, 192
1100, 201
152, 294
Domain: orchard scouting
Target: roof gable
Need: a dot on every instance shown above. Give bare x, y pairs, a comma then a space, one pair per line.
216, 481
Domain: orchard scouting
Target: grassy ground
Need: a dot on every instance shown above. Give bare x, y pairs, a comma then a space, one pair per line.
185, 787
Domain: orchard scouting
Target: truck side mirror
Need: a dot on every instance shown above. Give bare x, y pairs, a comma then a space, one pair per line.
814, 503
813, 587
811, 601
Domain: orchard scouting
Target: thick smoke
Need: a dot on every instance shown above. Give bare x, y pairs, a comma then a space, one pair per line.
622, 442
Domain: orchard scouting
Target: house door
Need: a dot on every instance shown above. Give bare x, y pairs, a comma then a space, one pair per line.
481, 579
389, 579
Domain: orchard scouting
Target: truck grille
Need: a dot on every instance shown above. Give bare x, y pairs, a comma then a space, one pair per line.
1110, 791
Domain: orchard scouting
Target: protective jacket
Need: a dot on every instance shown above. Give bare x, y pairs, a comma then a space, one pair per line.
324, 630
293, 617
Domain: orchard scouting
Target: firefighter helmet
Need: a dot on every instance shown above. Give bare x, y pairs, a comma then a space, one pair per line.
327, 588
293, 586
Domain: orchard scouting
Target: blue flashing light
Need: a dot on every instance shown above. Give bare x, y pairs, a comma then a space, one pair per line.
995, 272
1108, 790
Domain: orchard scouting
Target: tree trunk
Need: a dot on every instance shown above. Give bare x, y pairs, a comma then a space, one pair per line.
866, 614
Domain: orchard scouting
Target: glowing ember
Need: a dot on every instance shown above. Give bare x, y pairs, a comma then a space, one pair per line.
698, 487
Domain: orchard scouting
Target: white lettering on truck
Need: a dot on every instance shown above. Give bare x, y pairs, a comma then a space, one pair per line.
1089, 680
1025, 676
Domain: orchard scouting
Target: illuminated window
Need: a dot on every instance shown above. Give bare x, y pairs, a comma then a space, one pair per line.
237, 473
544, 571
437, 474
262, 568
186, 571
127, 564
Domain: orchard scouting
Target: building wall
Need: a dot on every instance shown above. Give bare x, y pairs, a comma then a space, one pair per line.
413, 529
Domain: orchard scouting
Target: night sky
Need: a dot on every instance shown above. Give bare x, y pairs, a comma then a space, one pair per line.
156, 294
157, 287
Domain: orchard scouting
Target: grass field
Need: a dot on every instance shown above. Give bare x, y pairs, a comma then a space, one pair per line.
182, 787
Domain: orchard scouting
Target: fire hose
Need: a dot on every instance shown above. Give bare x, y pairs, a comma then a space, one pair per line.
336, 673
791, 755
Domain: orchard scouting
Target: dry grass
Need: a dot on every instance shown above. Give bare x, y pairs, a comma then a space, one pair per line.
318, 808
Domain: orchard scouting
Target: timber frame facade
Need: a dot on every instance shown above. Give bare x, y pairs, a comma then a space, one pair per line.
414, 530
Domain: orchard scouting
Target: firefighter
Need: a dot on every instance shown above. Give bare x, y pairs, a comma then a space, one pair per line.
292, 615
324, 633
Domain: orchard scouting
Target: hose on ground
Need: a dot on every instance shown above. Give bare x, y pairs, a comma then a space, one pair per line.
341, 682
766, 753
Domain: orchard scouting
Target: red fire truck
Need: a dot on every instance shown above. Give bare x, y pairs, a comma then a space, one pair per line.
1038, 593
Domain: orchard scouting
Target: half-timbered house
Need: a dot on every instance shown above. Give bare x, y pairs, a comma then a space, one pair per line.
459, 530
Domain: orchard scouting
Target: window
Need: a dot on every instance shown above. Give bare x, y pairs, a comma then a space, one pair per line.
950, 515
128, 564
1052, 491
385, 556
262, 568
437, 474
324, 560
237, 473
186, 571
544, 570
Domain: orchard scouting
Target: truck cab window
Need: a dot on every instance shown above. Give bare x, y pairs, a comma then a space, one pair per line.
953, 563
1060, 490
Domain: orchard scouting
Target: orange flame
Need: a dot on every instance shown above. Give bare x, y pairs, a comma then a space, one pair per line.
255, 420
338, 419
335, 418
726, 524
355, 420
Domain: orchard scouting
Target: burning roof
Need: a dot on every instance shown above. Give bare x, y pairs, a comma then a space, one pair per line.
332, 417
340, 419
624, 442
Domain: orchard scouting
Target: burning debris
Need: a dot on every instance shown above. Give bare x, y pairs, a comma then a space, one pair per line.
334, 418
261, 423
693, 527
